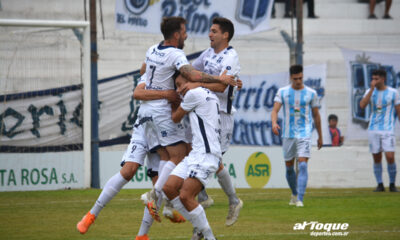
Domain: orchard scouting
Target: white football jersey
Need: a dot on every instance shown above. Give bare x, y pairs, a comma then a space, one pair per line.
161, 64
203, 108
215, 64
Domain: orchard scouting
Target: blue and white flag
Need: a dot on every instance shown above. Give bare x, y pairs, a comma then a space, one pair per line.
248, 16
360, 65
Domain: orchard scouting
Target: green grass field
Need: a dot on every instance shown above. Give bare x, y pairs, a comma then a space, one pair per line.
266, 215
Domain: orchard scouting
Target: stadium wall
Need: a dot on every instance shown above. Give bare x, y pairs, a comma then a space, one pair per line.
250, 167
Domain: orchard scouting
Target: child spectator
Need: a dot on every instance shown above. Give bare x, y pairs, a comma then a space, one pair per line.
337, 138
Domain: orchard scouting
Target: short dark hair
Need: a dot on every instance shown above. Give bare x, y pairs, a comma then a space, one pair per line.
226, 26
332, 117
379, 72
171, 25
295, 69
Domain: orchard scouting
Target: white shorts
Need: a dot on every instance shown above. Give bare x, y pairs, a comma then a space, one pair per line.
201, 166
140, 144
167, 132
227, 121
135, 152
381, 141
296, 147
153, 161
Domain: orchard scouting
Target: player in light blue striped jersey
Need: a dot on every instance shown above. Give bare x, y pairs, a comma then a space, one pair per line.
300, 113
385, 102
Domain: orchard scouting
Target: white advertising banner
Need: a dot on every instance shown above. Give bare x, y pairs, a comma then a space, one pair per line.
41, 171
249, 167
254, 103
360, 65
54, 117
248, 16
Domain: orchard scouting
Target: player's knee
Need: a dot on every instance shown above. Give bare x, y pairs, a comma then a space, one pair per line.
184, 197
128, 170
390, 159
169, 191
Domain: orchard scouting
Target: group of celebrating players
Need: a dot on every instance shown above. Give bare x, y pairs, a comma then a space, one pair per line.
185, 124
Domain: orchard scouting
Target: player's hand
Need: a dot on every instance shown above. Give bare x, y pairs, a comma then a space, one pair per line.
239, 84
319, 143
275, 129
188, 86
227, 79
373, 83
172, 96
175, 105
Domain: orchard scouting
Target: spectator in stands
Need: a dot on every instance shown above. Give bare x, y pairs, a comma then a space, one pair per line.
372, 4
336, 136
290, 5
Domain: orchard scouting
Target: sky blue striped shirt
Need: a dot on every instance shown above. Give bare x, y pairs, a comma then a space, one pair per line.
383, 109
297, 111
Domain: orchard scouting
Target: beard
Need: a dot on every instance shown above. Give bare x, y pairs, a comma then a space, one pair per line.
181, 45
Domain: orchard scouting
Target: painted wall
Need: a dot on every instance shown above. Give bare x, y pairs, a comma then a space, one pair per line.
343, 167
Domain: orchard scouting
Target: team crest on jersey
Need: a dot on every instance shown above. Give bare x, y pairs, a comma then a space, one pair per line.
252, 12
164, 133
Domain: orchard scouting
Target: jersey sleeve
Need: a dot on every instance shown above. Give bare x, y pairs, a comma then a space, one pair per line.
190, 101
396, 98
232, 65
198, 62
314, 100
142, 79
179, 59
278, 96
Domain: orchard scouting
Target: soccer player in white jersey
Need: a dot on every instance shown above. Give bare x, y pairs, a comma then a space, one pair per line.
220, 57
162, 61
139, 146
300, 108
385, 102
194, 172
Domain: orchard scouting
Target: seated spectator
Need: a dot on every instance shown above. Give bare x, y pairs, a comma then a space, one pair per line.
372, 4
290, 5
337, 138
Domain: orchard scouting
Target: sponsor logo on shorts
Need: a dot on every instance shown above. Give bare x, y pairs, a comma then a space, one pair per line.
258, 170
323, 229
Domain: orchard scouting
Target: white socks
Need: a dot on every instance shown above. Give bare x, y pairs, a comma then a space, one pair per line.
197, 217
147, 221
226, 184
163, 176
161, 166
199, 220
112, 187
